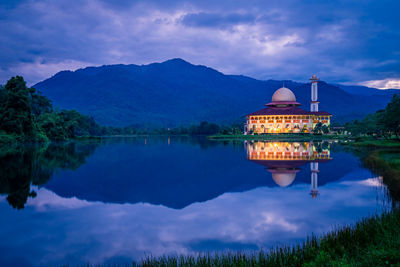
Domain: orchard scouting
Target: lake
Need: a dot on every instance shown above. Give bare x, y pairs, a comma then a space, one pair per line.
121, 199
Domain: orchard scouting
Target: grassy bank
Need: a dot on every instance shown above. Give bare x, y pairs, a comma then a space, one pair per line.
280, 137
386, 162
376, 143
371, 242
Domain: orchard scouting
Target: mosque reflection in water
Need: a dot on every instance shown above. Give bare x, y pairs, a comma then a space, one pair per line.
284, 159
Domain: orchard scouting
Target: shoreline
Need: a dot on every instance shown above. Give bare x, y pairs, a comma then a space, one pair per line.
281, 137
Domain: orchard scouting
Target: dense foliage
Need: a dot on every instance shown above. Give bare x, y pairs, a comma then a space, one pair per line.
28, 115
25, 114
16, 116
383, 123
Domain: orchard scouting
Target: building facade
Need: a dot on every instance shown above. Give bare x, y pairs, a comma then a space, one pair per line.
283, 115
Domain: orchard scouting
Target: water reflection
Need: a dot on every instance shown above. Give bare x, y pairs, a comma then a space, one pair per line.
122, 199
174, 172
283, 159
29, 165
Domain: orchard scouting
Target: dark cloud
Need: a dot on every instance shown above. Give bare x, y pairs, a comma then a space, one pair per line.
216, 20
342, 41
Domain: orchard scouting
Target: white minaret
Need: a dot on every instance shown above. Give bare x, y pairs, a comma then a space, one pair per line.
314, 179
314, 93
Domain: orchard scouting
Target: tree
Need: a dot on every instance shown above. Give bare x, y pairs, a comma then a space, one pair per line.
318, 128
39, 103
392, 115
16, 117
2, 96
325, 129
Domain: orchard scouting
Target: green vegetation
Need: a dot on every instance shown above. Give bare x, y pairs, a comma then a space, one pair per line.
386, 162
27, 115
382, 124
319, 128
375, 143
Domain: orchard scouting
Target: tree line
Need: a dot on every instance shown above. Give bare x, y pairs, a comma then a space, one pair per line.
383, 123
27, 115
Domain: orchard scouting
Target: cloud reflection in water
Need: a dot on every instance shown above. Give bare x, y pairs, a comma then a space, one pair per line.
75, 230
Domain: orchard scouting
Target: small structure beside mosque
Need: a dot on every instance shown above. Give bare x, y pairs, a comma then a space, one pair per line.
283, 115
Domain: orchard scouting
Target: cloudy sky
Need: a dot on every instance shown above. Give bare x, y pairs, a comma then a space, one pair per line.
346, 41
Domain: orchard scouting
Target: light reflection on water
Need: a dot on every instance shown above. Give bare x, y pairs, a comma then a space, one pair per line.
132, 198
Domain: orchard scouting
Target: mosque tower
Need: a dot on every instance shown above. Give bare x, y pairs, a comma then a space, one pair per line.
314, 93
314, 179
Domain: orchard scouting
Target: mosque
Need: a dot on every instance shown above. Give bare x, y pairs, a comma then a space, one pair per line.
284, 159
283, 115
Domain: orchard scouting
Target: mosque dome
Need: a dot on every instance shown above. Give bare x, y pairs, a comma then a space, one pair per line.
284, 179
283, 95
283, 176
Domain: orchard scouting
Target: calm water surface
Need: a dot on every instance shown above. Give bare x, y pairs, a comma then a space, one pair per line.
122, 199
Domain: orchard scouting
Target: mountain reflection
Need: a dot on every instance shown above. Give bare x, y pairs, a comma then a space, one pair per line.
24, 166
283, 159
173, 172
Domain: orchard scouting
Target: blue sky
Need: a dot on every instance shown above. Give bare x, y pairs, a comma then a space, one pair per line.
353, 42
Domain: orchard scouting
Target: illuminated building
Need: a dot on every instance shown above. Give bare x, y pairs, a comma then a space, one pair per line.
284, 159
283, 115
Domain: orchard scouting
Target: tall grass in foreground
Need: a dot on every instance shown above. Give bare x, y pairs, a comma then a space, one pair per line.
374, 241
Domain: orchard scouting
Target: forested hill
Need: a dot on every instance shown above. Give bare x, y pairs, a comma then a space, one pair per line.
176, 92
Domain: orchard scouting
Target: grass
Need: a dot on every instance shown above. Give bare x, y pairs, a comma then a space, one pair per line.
376, 143
386, 162
374, 241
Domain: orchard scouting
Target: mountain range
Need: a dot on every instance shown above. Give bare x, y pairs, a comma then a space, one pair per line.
175, 93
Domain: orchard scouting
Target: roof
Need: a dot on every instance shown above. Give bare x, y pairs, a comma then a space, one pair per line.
287, 111
323, 113
287, 103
